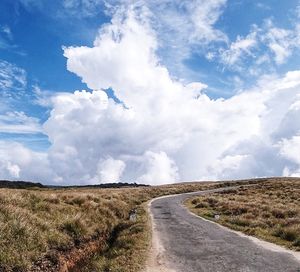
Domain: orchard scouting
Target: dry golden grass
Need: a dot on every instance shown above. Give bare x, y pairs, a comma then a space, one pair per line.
38, 227
81, 229
269, 210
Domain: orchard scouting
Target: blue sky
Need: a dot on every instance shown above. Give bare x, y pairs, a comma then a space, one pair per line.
229, 46
37, 32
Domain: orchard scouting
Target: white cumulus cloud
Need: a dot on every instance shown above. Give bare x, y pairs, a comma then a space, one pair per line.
109, 170
159, 169
290, 148
18, 162
163, 130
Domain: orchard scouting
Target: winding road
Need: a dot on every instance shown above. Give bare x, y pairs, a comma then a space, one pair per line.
183, 242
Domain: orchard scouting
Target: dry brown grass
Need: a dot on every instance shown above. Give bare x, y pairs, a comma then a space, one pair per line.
38, 227
269, 210
79, 229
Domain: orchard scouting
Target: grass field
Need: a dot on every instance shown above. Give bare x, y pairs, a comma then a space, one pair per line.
78, 229
268, 210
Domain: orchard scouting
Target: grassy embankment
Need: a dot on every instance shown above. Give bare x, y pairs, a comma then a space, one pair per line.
269, 210
78, 229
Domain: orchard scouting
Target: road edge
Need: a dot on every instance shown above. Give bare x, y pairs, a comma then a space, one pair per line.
262, 243
155, 260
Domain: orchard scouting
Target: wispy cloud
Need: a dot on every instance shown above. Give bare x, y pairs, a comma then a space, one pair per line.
83, 8
5, 37
239, 50
19, 123
5, 29
298, 10
12, 77
265, 48
263, 6
66, 8
7, 41
181, 27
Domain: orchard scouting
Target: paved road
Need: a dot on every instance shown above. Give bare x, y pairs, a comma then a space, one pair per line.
189, 243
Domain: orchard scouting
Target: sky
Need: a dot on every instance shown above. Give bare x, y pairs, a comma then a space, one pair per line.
154, 92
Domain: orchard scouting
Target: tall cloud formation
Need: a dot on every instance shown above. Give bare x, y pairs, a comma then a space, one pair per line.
158, 129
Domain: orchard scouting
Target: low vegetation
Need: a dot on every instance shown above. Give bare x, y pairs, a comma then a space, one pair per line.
268, 210
78, 229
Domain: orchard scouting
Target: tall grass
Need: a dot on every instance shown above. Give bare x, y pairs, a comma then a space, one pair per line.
269, 210
39, 228
79, 229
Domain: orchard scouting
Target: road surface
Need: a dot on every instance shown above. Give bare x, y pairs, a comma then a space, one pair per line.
183, 242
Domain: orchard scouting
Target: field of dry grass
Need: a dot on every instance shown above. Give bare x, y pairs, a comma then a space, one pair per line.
269, 210
78, 229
